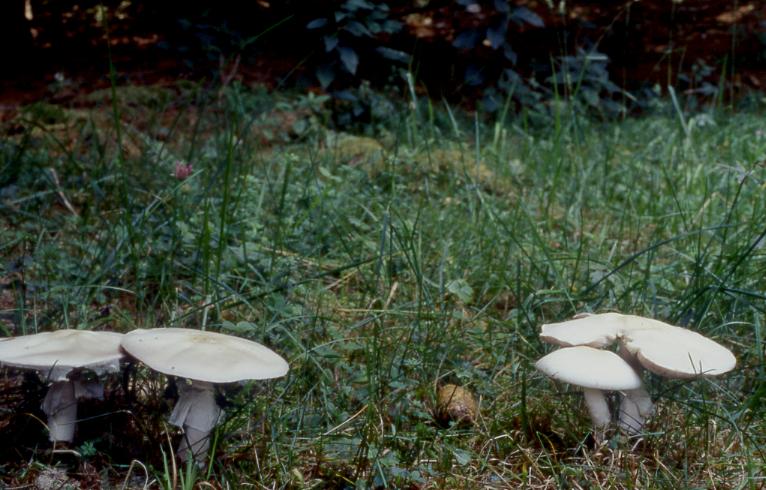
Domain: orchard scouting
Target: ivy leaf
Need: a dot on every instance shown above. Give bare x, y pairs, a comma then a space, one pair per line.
349, 58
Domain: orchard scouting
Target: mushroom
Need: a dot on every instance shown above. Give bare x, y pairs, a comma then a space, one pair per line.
595, 371
644, 343
59, 357
456, 403
204, 359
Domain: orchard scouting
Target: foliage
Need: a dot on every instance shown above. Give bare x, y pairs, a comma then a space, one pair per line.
355, 24
584, 79
491, 24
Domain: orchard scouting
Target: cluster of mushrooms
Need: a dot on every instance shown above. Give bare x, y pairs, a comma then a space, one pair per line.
202, 358
643, 343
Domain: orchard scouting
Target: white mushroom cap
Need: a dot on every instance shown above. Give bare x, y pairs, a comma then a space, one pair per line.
55, 354
203, 356
592, 330
588, 367
664, 349
675, 352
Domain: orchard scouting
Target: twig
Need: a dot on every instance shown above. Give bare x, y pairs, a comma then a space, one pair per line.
60, 191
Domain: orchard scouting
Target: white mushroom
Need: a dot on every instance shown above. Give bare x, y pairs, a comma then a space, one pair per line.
59, 356
644, 343
203, 358
595, 371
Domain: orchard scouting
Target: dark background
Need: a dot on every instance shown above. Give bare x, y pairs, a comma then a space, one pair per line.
684, 44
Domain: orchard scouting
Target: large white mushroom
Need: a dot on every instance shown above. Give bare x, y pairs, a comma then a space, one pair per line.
204, 359
595, 371
644, 343
59, 357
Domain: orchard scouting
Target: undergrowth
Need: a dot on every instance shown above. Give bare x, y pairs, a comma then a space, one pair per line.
383, 266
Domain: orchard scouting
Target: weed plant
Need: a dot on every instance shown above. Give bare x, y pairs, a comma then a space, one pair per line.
381, 268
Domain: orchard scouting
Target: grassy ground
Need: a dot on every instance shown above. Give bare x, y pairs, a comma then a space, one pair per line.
382, 267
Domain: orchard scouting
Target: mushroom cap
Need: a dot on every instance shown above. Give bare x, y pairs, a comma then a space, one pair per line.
203, 356
589, 367
592, 330
663, 349
675, 352
55, 354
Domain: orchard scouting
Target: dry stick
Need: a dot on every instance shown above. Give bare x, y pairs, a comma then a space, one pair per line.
130, 470
346, 422
60, 191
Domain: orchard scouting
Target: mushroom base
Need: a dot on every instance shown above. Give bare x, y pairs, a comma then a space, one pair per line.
60, 406
598, 409
636, 405
635, 408
197, 413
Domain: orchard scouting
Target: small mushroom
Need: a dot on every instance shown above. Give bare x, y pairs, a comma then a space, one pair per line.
455, 403
595, 371
204, 359
644, 343
60, 356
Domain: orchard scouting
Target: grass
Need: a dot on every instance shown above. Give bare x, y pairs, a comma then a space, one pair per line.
382, 266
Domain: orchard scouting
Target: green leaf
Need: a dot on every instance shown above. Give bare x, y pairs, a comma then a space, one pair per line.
496, 35
524, 15
462, 457
349, 58
393, 54
330, 42
317, 23
357, 29
239, 327
325, 75
466, 39
461, 289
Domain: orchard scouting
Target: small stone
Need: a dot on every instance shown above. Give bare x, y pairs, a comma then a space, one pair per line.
54, 478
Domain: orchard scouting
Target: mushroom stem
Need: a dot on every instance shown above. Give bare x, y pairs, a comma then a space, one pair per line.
630, 358
635, 408
598, 408
197, 413
636, 405
60, 406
